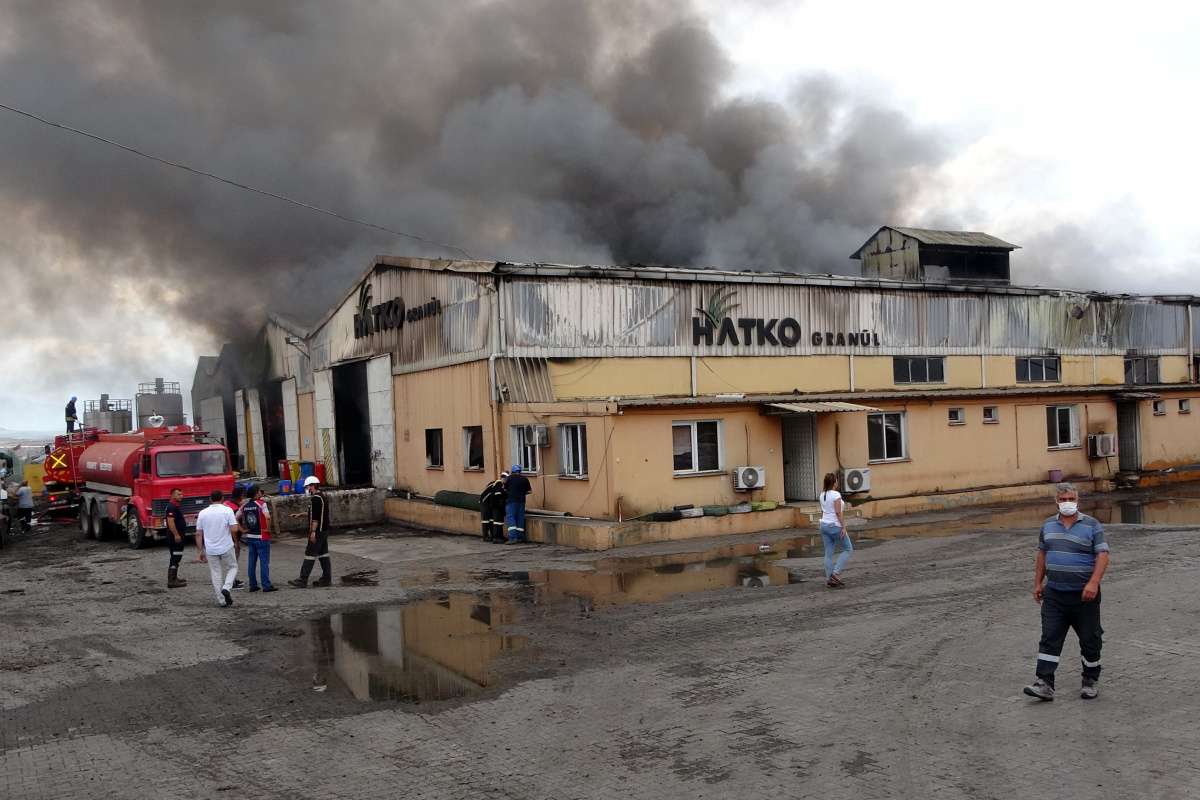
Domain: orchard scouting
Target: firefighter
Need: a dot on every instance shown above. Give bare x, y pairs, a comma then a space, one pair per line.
491, 510
318, 533
177, 526
70, 414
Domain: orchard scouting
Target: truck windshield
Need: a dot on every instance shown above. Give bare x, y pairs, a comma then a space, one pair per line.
192, 462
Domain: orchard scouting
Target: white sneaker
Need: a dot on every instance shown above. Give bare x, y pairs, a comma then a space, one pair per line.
1089, 690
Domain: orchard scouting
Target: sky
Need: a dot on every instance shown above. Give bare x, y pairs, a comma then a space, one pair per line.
756, 134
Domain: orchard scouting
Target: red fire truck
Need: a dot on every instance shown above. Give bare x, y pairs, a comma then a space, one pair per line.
125, 480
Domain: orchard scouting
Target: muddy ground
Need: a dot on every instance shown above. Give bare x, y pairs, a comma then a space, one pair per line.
440, 666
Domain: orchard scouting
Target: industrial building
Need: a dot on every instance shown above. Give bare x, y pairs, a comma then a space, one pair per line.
624, 390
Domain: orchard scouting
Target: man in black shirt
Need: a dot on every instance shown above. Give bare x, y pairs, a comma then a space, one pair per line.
70, 414
318, 531
516, 488
177, 527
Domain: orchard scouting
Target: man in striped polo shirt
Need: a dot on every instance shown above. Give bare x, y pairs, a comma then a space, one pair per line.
1072, 557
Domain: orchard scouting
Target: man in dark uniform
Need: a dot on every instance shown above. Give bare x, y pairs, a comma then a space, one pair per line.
318, 532
516, 488
177, 527
70, 414
491, 510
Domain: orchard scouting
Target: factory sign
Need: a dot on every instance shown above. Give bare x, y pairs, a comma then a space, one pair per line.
388, 315
714, 324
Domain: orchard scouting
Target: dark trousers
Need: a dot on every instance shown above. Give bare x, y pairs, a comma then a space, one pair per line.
26, 517
1062, 611
317, 550
70, 426
492, 522
176, 548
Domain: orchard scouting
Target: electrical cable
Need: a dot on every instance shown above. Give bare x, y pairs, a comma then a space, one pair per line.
236, 184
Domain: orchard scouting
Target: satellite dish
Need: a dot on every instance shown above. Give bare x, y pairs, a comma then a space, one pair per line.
155, 421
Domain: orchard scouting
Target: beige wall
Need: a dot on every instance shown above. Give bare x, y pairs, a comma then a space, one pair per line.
766, 374
643, 459
1172, 369
1172, 439
584, 378
944, 457
307, 425
448, 398
875, 372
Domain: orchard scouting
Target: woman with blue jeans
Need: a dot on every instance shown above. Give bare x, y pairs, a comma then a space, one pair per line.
833, 531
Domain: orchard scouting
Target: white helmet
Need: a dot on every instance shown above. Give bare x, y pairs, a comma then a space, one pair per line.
311, 480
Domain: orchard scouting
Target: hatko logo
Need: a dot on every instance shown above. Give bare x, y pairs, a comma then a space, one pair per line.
388, 314
714, 324
719, 304
364, 299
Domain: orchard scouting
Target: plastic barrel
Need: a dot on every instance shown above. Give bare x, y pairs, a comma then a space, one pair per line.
319, 471
294, 472
285, 487
284, 472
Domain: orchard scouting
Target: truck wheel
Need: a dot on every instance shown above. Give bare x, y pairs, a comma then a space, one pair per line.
99, 523
85, 520
134, 530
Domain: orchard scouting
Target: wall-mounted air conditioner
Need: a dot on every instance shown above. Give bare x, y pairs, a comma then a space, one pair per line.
537, 434
1102, 445
856, 480
747, 478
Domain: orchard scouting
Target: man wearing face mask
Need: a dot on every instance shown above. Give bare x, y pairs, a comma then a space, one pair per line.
1072, 557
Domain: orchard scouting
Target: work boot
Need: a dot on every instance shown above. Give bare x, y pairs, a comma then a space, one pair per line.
1089, 690
173, 579
323, 582
1040, 689
299, 583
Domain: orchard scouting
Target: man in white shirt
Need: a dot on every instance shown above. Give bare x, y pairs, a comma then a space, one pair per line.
216, 528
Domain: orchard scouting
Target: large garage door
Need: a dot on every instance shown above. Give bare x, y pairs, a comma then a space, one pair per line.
256, 433
239, 405
326, 444
383, 422
291, 420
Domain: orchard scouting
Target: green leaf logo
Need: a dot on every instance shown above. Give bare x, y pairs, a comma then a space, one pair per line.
719, 305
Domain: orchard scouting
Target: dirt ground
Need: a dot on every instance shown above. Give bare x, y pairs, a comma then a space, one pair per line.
441, 666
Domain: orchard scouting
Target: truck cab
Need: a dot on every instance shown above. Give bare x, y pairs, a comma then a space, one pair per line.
195, 469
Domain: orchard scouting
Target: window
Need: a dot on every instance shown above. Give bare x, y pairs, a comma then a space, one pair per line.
958, 416
1185, 406
885, 436
473, 448
433, 448
1062, 426
573, 438
1160, 408
525, 449
188, 462
1043, 369
696, 446
991, 414
1141, 370
919, 369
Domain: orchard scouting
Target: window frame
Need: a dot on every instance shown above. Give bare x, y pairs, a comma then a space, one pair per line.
1185, 405
520, 448
441, 446
1158, 408
694, 424
1029, 362
1073, 411
995, 420
466, 440
568, 468
925, 361
904, 455
957, 419
1132, 363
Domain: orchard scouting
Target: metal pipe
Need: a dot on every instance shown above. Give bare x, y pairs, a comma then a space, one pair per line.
693, 376
1191, 347
852, 372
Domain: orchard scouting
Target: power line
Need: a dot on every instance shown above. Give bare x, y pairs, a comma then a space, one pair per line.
204, 174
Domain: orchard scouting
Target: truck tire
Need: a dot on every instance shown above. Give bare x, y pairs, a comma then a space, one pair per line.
99, 523
134, 530
85, 520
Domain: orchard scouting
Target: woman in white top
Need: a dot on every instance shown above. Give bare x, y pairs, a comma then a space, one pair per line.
833, 531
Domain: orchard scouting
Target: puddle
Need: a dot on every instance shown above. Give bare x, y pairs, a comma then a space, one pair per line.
439, 649
366, 577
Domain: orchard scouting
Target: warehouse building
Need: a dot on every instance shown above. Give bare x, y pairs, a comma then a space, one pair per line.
628, 390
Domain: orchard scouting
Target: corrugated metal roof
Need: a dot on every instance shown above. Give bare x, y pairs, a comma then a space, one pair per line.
945, 238
818, 408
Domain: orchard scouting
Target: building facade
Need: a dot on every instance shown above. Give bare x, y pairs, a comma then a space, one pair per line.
623, 391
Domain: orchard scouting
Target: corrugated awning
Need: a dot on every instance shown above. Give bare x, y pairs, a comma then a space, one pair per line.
814, 408
1137, 396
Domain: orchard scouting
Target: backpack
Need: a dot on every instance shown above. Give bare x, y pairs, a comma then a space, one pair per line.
252, 518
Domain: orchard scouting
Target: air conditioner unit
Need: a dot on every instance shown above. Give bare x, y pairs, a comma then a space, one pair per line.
856, 480
747, 478
1102, 445
538, 435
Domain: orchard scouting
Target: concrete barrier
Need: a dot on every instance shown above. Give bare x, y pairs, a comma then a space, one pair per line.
346, 507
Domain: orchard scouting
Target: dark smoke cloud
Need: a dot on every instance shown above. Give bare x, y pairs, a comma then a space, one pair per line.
518, 129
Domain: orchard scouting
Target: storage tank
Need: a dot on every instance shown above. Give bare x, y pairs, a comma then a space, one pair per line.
110, 462
160, 398
115, 416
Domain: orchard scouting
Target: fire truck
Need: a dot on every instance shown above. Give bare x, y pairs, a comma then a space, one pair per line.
124, 480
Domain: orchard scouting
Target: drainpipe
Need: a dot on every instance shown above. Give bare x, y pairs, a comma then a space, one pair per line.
492, 402
693, 376
982, 371
1191, 347
852, 372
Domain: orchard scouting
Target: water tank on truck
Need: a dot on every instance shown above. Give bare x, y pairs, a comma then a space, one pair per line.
128, 478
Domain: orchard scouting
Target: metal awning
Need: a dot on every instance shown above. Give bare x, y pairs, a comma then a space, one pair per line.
814, 408
1137, 396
